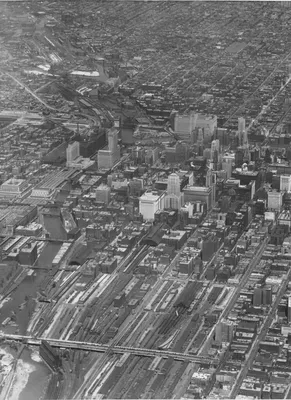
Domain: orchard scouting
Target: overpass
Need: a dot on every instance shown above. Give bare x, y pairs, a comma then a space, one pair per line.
102, 348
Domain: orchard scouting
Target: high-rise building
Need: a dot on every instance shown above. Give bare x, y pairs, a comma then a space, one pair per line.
223, 136
245, 139
224, 332
103, 194
198, 193
151, 155
285, 183
215, 145
173, 186
113, 140
267, 295
208, 123
246, 148
289, 309
74, 160
241, 126
174, 198
257, 297
108, 157
239, 157
275, 200
215, 153
211, 182
227, 167
73, 151
150, 203
184, 125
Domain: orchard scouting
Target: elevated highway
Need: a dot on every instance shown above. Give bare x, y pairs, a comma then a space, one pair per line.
101, 348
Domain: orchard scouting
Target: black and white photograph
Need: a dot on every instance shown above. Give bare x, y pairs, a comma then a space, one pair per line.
145, 199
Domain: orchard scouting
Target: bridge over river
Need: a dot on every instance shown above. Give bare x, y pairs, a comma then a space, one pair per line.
102, 348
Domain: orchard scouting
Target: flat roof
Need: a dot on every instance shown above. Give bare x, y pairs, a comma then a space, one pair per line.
13, 181
198, 188
86, 73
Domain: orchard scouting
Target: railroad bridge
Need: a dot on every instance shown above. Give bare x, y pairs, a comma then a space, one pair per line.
87, 346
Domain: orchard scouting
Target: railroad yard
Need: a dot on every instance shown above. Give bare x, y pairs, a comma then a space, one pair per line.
118, 305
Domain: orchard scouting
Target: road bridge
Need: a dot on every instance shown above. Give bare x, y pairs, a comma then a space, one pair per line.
87, 346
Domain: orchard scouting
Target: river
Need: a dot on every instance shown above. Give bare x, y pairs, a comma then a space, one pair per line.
17, 303
38, 379
32, 375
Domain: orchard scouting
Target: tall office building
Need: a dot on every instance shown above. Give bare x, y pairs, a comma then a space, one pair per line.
198, 193
224, 331
184, 125
215, 153
211, 183
257, 296
227, 167
289, 309
205, 129
241, 125
103, 194
108, 157
285, 183
74, 160
173, 186
215, 146
243, 140
150, 203
113, 140
73, 151
174, 198
275, 200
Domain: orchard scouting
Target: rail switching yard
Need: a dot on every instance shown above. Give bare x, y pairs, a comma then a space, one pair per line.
112, 302
141, 323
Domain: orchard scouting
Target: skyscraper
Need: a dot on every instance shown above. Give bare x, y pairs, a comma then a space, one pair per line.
184, 125
289, 309
241, 131
173, 184
243, 139
241, 125
113, 140
103, 194
215, 146
73, 151
285, 182
108, 157
211, 183
174, 198
215, 153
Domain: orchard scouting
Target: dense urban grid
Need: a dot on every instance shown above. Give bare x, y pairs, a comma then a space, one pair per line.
145, 200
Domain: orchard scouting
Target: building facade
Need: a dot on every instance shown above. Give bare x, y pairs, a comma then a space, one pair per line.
150, 203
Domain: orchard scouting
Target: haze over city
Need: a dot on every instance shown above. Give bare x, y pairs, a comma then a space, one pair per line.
145, 195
